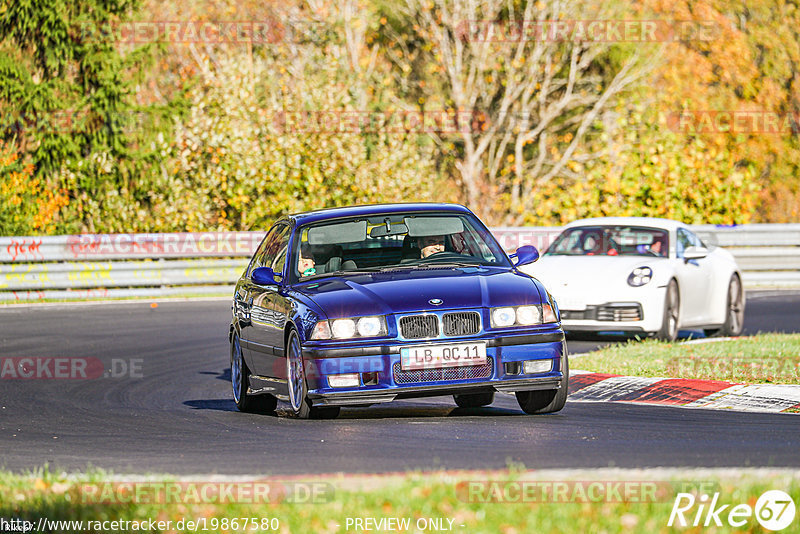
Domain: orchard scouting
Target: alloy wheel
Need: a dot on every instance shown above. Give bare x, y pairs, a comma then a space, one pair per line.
294, 372
236, 369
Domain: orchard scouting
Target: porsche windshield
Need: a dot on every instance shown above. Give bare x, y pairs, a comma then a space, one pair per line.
611, 241
393, 241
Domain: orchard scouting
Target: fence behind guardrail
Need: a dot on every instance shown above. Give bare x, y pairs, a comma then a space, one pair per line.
208, 263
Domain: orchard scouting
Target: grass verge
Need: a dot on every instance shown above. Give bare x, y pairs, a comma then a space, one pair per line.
760, 359
462, 502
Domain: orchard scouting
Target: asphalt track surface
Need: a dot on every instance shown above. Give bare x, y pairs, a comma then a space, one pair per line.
175, 414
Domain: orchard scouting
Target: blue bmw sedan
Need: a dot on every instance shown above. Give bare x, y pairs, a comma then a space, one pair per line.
368, 304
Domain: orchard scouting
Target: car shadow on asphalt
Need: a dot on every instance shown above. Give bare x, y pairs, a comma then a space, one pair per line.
362, 412
432, 412
400, 409
222, 405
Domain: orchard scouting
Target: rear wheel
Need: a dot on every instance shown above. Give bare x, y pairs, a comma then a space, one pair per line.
734, 310
298, 388
546, 401
672, 311
474, 400
240, 376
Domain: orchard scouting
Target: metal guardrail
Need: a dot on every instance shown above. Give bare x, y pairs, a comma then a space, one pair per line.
133, 265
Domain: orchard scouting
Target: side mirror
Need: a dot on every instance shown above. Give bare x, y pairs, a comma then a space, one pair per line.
525, 255
695, 253
264, 276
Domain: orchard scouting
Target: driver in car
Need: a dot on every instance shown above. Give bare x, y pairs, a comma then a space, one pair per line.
430, 245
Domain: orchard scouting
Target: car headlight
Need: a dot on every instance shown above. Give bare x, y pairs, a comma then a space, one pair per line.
347, 328
343, 328
522, 315
369, 326
503, 317
640, 276
528, 315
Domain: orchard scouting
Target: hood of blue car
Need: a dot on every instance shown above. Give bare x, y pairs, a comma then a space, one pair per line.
404, 291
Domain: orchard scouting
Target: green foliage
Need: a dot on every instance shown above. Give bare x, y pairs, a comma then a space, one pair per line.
51, 66
67, 96
267, 135
648, 170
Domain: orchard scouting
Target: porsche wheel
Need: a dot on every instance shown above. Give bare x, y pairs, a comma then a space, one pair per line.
474, 400
672, 312
240, 375
546, 401
298, 387
734, 310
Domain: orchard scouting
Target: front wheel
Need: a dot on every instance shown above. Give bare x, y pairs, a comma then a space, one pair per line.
734, 310
240, 376
734, 321
546, 401
672, 311
299, 402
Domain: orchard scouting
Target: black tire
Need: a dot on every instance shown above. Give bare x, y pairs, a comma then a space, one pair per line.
474, 400
672, 313
734, 310
546, 401
299, 403
240, 375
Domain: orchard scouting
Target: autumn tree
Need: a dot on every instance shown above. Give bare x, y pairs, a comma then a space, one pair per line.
535, 95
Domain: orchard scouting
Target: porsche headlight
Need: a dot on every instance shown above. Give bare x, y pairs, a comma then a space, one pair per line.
640, 276
347, 328
522, 315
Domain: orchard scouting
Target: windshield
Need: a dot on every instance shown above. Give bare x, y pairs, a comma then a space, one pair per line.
611, 241
393, 241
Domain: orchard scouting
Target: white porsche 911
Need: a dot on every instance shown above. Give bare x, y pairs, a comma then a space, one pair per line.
641, 275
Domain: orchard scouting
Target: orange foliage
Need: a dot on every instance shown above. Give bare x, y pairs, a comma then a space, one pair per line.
28, 205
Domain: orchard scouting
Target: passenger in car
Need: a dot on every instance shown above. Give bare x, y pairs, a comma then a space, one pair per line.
305, 263
655, 248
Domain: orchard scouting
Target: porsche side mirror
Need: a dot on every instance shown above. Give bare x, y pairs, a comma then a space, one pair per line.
264, 276
525, 255
695, 253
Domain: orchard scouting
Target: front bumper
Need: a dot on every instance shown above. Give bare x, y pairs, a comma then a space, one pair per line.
380, 362
631, 311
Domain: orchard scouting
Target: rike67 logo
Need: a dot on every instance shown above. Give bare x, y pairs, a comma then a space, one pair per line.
774, 510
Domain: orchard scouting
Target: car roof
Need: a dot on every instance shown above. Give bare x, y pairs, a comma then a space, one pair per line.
652, 222
375, 209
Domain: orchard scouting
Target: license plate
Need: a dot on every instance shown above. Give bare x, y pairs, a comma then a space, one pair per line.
442, 355
567, 303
